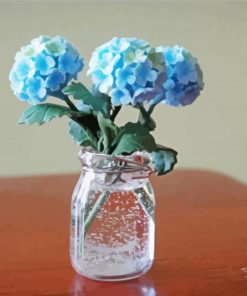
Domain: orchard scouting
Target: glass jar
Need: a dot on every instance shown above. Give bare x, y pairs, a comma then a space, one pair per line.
112, 218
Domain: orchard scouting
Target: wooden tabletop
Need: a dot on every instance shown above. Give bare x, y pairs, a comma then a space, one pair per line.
201, 242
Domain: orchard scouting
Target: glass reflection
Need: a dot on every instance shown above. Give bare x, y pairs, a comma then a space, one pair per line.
143, 286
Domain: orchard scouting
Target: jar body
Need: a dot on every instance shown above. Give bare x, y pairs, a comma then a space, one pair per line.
112, 228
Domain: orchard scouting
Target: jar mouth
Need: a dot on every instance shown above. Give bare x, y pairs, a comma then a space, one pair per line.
105, 163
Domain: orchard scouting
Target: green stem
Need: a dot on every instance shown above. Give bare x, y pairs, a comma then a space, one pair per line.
146, 202
142, 109
70, 104
96, 208
151, 109
145, 118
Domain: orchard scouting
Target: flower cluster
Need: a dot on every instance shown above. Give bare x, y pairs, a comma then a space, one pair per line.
124, 71
127, 70
184, 76
43, 68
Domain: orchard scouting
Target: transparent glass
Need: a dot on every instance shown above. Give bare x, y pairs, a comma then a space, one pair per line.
112, 219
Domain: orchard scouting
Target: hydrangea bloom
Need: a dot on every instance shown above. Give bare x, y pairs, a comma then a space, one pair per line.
127, 70
44, 67
184, 76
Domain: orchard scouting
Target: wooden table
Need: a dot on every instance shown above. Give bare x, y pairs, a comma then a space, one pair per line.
201, 246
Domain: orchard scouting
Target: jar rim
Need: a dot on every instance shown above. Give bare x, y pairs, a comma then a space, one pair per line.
106, 163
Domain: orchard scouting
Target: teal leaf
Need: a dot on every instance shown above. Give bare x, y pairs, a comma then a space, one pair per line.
80, 135
133, 137
99, 102
79, 92
43, 113
109, 131
104, 102
163, 160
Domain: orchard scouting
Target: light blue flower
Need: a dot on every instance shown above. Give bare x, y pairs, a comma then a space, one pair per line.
127, 70
36, 89
55, 80
44, 64
184, 77
24, 69
121, 95
70, 63
173, 55
44, 67
145, 74
18, 85
125, 76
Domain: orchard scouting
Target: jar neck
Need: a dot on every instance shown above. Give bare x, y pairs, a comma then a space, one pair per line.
113, 181
114, 169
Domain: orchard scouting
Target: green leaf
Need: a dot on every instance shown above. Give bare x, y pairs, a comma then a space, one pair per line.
104, 102
43, 113
80, 135
163, 160
109, 131
79, 92
99, 102
133, 137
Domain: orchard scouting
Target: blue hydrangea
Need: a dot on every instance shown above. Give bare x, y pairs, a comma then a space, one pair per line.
44, 67
184, 77
127, 70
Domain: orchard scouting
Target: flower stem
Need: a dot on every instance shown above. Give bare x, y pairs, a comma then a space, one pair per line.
96, 208
146, 202
70, 104
151, 108
142, 109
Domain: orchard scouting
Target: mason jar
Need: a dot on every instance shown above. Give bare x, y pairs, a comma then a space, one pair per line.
112, 218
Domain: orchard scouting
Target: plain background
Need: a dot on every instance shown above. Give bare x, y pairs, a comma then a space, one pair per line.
210, 134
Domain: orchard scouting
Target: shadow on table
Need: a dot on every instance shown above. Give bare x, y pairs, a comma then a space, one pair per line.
142, 286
